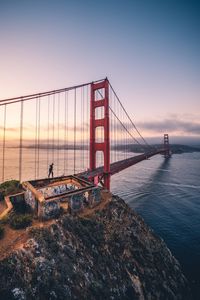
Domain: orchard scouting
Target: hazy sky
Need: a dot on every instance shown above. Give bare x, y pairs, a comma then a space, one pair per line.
149, 50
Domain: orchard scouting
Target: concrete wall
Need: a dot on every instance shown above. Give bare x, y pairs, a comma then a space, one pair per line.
48, 209
76, 202
30, 200
94, 196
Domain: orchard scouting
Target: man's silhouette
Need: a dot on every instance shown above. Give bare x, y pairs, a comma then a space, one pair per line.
50, 170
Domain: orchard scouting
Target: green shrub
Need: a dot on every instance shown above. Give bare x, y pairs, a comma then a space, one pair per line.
4, 220
19, 204
1, 231
18, 221
9, 187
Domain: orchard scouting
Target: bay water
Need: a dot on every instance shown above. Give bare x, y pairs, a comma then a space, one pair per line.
165, 192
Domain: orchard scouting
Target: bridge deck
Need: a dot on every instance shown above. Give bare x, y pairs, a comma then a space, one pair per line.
122, 164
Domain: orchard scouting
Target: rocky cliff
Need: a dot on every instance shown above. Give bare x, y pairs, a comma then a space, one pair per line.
112, 254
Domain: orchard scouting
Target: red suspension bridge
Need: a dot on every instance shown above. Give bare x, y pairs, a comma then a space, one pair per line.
83, 129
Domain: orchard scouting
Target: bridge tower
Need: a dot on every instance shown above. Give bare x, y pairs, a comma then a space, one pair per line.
100, 88
166, 146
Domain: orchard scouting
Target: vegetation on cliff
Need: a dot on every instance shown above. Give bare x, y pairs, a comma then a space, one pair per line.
9, 187
1, 231
18, 221
112, 254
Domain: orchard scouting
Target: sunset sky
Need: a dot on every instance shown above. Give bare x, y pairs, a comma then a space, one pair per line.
149, 50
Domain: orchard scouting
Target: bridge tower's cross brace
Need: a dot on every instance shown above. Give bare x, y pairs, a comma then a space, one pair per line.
166, 145
104, 145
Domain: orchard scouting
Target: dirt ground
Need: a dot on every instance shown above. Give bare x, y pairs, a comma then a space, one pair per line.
2, 206
14, 239
106, 198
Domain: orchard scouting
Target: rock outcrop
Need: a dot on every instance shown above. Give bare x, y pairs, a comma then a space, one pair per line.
112, 254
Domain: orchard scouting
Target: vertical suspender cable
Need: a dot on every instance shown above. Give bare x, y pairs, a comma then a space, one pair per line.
38, 156
121, 134
113, 135
67, 132
124, 139
65, 121
53, 128
4, 143
126, 146
88, 125
83, 128
82, 146
110, 126
36, 131
48, 109
102, 132
114, 132
58, 135
21, 140
122, 153
118, 135
74, 130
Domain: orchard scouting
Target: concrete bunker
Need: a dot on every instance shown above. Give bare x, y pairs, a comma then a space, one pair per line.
71, 193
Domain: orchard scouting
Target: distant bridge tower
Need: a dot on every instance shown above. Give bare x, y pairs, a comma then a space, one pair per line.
166, 146
100, 88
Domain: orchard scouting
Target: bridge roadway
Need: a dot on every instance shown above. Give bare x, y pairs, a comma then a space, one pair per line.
122, 164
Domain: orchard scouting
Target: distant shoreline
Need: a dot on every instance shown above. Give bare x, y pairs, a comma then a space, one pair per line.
176, 148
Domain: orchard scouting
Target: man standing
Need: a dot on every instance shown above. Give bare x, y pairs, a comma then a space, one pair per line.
50, 170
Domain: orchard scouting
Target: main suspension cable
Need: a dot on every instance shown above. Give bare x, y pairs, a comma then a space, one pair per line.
128, 115
35, 96
120, 120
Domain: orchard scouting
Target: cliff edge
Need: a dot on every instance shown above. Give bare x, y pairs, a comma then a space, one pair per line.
110, 254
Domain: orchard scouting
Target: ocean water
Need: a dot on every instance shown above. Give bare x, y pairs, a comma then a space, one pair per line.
166, 193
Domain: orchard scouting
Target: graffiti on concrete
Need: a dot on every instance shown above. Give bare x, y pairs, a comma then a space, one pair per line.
57, 190
51, 209
95, 196
30, 199
76, 202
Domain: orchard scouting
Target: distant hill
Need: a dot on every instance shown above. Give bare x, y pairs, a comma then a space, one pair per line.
176, 148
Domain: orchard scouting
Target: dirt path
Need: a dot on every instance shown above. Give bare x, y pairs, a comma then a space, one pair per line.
11, 239
2, 206
106, 198
14, 239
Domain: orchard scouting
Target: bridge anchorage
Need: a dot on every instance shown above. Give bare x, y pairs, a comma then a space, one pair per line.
61, 128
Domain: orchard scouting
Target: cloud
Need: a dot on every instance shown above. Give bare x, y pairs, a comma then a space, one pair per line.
32, 128
10, 129
172, 125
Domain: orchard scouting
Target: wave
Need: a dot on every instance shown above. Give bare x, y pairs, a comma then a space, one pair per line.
164, 170
180, 185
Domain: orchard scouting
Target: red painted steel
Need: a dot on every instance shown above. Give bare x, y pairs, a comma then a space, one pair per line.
166, 145
104, 122
122, 164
